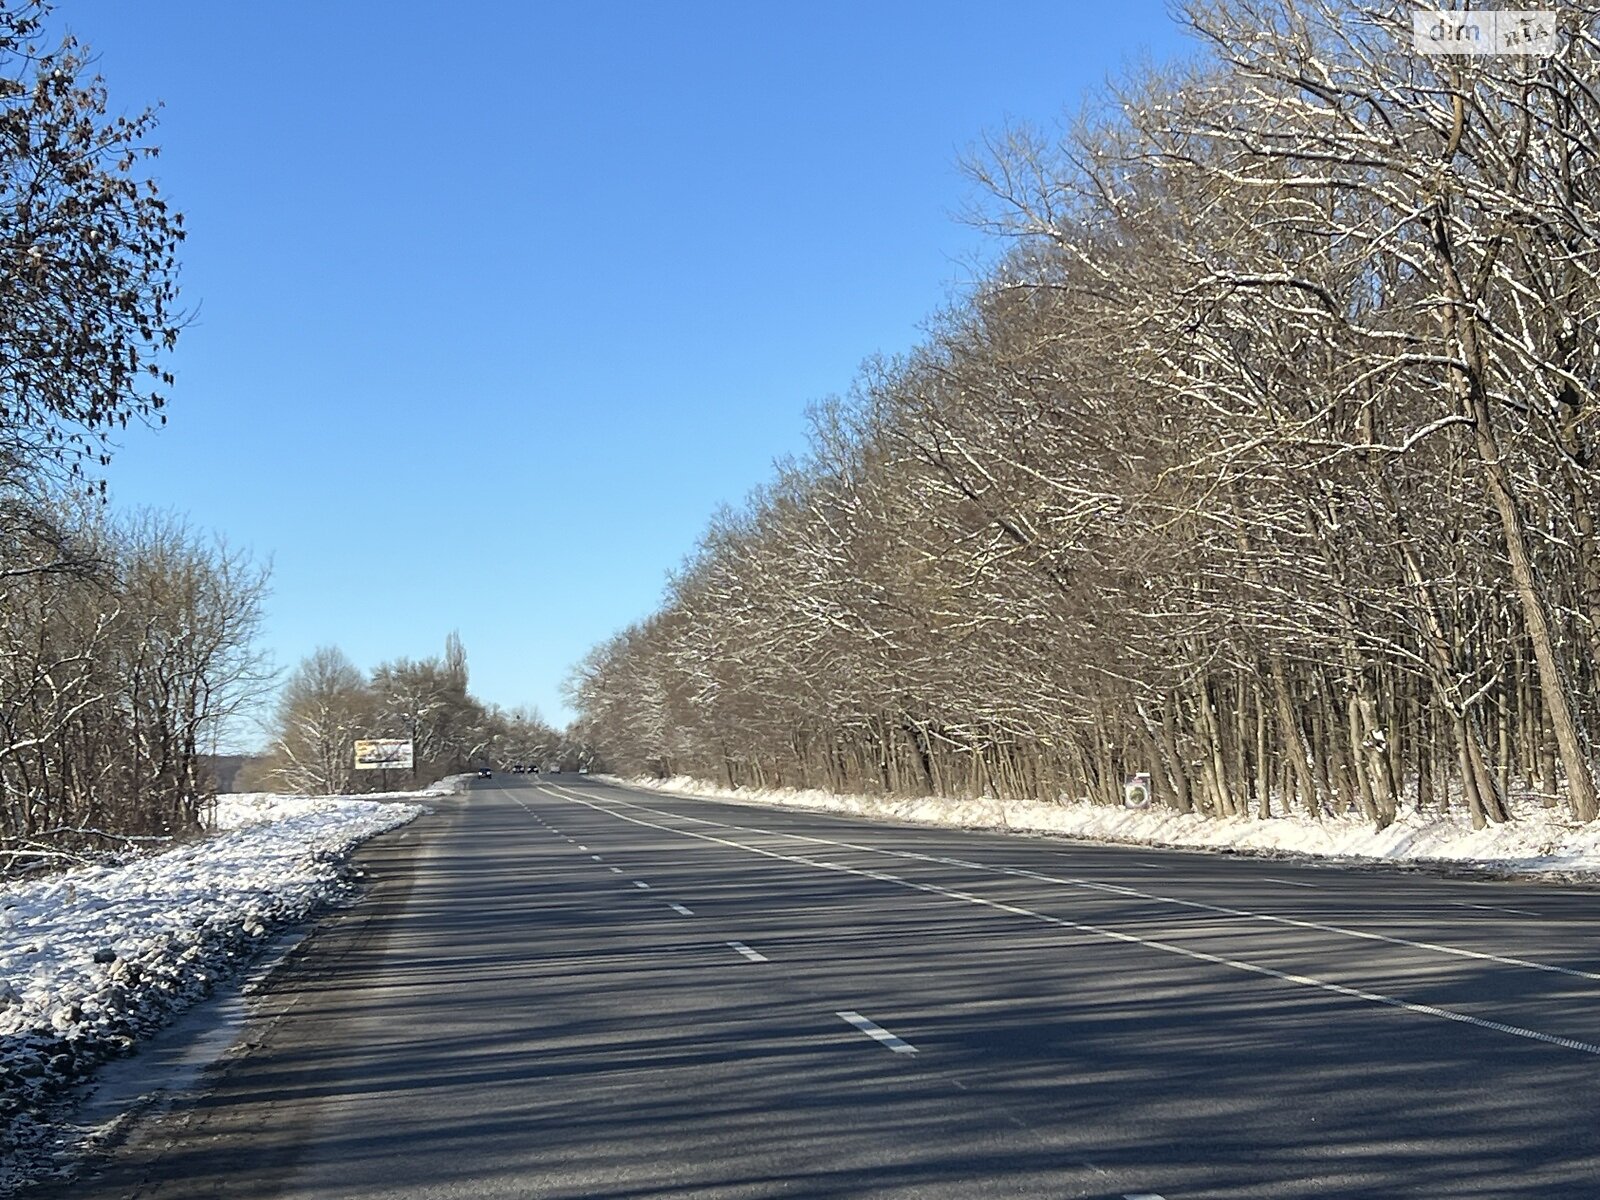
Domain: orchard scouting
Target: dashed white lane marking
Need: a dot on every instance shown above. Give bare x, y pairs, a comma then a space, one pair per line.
616, 870
1520, 912
596, 857
1154, 866
1118, 935
1290, 883
1117, 889
641, 884
1142, 1196
681, 910
585, 849
752, 955
877, 1033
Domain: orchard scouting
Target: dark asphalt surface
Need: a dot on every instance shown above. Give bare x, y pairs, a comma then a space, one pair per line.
508, 1013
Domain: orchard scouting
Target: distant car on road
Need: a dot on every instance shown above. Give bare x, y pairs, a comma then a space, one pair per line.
485, 773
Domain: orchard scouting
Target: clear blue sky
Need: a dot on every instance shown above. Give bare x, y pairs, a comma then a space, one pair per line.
497, 302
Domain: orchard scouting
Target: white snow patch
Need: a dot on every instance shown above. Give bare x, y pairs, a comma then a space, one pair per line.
93, 959
1538, 840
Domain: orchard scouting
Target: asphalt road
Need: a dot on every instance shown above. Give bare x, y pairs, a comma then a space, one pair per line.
569, 989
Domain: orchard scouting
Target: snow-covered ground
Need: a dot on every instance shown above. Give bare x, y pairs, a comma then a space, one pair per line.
1538, 841
92, 960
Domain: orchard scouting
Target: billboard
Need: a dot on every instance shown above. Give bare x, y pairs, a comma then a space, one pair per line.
383, 754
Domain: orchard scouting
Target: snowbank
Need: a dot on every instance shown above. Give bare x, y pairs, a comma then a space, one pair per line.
93, 959
1539, 840
237, 810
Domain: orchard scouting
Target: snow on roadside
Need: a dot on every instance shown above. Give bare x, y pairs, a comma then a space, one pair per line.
1537, 841
93, 959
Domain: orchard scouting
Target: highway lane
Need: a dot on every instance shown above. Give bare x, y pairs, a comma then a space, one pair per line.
568, 989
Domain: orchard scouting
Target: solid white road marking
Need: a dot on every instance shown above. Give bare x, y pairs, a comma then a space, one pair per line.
639, 883
681, 910
752, 955
1290, 882
877, 1033
1117, 890
1117, 935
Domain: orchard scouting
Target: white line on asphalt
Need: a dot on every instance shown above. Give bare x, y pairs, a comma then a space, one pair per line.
616, 870
747, 952
1117, 935
585, 849
1520, 912
596, 857
1154, 866
1117, 889
877, 1033
639, 883
681, 910
1142, 1196
1290, 882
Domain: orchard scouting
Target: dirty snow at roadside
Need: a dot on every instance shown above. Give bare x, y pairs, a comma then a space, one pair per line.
95, 958
1538, 841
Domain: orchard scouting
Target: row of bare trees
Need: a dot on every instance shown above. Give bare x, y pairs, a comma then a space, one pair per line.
1263, 461
116, 676
328, 704
125, 644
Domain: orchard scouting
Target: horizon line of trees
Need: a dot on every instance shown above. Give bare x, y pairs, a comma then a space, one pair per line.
328, 703
1263, 461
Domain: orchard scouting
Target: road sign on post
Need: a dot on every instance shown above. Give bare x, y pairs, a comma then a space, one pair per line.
1136, 791
384, 754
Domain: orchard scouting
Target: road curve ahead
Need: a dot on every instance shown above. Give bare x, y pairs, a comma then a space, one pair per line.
562, 988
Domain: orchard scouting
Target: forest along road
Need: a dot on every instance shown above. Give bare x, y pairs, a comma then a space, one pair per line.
563, 988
